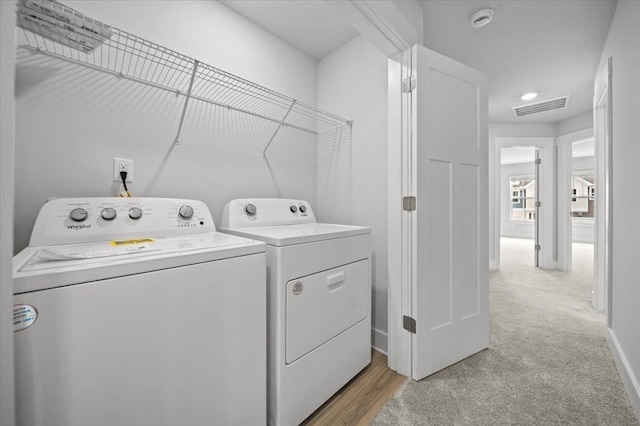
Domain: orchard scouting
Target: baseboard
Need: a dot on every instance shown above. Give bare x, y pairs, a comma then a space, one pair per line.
551, 265
379, 340
626, 374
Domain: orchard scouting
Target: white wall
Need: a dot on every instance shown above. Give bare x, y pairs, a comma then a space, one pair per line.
497, 130
508, 227
7, 146
582, 231
583, 163
413, 12
579, 122
71, 121
622, 45
352, 174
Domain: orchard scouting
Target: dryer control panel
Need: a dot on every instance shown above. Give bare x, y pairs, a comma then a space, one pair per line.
74, 220
254, 212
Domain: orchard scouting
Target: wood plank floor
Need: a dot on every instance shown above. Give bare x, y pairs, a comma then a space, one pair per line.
360, 399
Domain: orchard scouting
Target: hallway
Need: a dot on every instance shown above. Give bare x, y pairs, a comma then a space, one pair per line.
548, 362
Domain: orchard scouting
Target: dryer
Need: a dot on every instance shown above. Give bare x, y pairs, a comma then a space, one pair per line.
319, 301
135, 311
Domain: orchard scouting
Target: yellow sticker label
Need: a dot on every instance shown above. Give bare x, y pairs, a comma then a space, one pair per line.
129, 242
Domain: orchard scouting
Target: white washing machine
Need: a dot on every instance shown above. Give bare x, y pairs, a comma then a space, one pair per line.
135, 311
319, 301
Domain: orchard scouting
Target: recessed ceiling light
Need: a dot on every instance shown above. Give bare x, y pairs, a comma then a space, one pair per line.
529, 96
481, 18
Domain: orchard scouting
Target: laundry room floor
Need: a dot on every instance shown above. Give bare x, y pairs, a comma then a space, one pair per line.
360, 399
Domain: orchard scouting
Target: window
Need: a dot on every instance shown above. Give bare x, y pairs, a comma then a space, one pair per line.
583, 190
523, 191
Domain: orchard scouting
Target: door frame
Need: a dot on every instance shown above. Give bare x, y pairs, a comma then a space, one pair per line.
603, 137
564, 148
399, 346
546, 187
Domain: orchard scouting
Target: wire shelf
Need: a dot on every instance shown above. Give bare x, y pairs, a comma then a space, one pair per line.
56, 30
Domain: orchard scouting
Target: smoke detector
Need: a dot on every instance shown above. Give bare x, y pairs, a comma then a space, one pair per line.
481, 18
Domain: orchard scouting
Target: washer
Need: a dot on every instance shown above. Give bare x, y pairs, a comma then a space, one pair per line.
319, 301
135, 311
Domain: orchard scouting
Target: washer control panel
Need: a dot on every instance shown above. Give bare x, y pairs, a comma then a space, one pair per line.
253, 212
69, 220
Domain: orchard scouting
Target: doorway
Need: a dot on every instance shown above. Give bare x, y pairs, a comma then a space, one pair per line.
541, 213
582, 193
519, 204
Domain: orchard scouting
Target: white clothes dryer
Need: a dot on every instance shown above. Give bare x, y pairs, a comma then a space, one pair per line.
319, 299
135, 311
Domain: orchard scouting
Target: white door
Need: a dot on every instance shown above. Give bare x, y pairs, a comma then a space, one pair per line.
448, 230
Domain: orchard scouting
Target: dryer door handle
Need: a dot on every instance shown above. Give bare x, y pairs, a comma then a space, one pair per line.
335, 281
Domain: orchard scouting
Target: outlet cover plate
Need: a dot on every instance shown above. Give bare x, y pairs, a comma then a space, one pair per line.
120, 164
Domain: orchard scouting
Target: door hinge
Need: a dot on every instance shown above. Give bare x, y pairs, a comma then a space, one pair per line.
538, 248
538, 160
409, 324
409, 84
409, 203
538, 204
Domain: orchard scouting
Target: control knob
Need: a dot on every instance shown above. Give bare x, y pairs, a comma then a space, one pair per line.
108, 213
185, 212
250, 209
78, 214
293, 209
135, 213
303, 208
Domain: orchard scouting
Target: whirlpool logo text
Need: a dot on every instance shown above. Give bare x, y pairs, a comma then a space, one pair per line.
76, 227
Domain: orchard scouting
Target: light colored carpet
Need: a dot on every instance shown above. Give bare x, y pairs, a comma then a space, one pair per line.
548, 363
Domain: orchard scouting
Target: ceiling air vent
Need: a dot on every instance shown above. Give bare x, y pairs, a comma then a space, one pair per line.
541, 106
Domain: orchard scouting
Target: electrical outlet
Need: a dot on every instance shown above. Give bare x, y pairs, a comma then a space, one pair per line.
122, 165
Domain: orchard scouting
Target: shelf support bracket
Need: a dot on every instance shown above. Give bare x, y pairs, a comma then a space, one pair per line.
264, 151
186, 101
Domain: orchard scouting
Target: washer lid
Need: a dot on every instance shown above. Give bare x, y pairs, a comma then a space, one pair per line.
286, 235
39, 268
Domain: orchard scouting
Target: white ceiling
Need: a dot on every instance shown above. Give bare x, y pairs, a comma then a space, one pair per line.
311, 26
548, 46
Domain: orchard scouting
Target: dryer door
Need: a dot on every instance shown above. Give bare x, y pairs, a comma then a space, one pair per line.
323, 305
